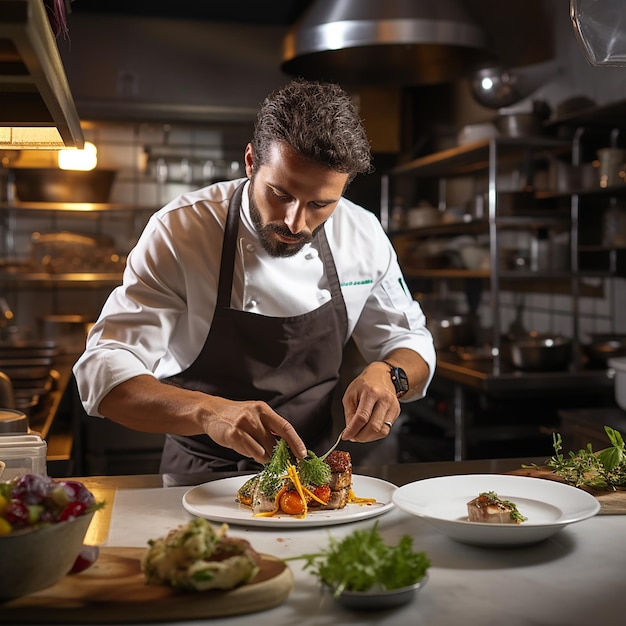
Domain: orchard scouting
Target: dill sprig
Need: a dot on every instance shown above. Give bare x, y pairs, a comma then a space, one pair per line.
313, 471
272, 476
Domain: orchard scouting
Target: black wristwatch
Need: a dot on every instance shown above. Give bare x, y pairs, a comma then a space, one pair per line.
399, 379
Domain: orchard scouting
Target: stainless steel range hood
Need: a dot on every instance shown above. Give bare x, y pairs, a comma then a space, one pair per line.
384, 42
36, 107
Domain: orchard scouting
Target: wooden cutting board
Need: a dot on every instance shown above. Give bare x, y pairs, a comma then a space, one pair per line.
611, 502
113, 590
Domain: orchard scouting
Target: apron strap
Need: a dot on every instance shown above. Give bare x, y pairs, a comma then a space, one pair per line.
229, 247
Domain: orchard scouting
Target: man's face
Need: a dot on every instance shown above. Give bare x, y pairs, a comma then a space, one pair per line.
290, 198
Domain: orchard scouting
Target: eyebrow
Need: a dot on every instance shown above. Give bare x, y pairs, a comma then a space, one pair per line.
288, 193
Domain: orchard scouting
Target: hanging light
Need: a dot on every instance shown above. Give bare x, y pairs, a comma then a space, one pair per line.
83, 160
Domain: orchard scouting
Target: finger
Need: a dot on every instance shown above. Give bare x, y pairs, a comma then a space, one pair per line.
285, 430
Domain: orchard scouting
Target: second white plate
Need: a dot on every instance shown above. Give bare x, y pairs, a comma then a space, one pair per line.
215, 501
548, 505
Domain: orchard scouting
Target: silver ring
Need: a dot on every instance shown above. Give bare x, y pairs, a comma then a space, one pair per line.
389, 424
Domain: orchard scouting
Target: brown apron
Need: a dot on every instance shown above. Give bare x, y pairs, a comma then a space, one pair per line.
292, 363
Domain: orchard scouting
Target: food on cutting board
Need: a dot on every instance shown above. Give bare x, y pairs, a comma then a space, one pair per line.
362, 561
601, 470
31, 501
293, 487
489, 508
197, 556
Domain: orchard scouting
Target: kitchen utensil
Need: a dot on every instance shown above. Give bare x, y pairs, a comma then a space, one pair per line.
518, 124
7, 398
451, 330
611, 169
614, 224
602, 347
380, 599
113, 590
475, 257
618, 367
541, 352
517, 329
36, 559
56, 185
13, 421
421, 216
523, 124
472, 133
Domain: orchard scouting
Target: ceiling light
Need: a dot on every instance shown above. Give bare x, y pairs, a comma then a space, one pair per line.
83, 160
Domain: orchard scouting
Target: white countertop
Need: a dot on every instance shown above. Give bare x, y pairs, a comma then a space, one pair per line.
575, 578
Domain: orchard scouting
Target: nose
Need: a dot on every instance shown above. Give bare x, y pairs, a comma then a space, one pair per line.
295, 218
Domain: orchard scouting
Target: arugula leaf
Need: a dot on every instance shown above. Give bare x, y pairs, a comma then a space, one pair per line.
362, 561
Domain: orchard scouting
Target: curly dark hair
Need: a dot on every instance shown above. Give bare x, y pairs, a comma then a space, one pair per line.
319, 121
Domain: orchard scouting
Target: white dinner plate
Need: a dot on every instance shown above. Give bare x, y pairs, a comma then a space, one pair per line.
215, 501
548, 505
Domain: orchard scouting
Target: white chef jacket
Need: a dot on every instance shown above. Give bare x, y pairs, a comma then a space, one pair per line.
157, 320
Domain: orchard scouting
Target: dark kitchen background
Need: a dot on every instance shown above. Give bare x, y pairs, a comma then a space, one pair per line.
168, 92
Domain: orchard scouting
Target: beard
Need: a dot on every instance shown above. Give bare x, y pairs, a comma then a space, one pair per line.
266, 233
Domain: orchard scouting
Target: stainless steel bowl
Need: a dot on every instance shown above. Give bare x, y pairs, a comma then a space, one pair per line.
380, 599
518, 124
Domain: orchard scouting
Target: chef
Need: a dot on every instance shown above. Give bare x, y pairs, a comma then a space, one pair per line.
237, 302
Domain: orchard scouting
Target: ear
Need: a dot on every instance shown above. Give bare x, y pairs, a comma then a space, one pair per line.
249, 160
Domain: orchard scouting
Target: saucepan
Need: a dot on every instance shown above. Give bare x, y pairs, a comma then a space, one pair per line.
541, 352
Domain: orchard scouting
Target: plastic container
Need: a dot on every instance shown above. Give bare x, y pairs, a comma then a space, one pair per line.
23, 454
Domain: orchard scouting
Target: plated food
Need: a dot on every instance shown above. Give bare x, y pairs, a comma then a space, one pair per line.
197, 557
293, 486
216, 501
489, 508
549, 506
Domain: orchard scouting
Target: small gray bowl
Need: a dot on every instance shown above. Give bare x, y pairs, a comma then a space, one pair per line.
379, 600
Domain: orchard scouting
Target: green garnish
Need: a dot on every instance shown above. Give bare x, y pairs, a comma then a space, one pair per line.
313, 471
272, 476
362, 562
605, 469
281, 458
